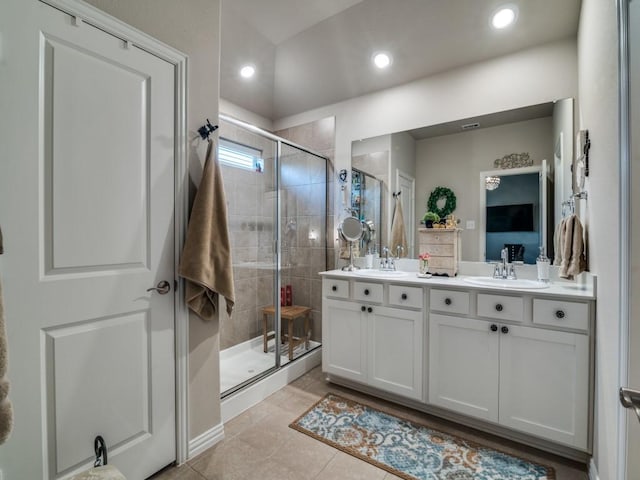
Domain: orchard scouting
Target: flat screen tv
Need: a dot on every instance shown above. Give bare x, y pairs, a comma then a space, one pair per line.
510, 218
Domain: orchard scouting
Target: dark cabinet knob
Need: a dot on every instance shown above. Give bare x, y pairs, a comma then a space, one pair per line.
366, 291
447, 301
498, 307
494, 327
334, 288
559, 314
369, 309
363, 308
404, 296
504, 329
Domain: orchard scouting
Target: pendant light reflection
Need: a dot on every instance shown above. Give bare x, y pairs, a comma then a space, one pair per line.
491, 182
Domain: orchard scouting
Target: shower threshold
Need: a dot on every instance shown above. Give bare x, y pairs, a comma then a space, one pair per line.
247, 360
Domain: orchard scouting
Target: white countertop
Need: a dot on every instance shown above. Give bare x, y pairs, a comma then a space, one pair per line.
563, 288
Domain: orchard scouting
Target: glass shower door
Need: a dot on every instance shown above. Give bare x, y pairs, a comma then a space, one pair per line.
248, 164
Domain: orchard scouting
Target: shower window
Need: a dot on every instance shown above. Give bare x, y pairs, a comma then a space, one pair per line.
237, 155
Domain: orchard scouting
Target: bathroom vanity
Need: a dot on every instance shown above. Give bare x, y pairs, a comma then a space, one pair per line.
505, 358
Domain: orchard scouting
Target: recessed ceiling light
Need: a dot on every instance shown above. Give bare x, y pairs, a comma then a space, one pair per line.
504, 17
247, 71
382, 60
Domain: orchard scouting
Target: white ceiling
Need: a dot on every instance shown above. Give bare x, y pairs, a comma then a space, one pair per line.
310, 53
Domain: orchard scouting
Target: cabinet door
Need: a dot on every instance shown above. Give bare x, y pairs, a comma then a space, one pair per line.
344, 340
463, 366
544, 381
395, 350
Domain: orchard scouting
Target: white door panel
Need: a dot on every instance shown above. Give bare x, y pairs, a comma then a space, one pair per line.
86, 209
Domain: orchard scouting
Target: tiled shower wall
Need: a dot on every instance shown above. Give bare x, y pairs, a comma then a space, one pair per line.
251, 203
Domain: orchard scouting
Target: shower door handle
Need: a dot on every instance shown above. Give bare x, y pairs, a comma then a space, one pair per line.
630, 399
162, 288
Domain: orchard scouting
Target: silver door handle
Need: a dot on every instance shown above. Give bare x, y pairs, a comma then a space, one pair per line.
162, 288
630, 399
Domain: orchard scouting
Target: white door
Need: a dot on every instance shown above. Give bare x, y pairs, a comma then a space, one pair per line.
544, 383
463, 365
344, 340
86, 209
407, 186
395, 350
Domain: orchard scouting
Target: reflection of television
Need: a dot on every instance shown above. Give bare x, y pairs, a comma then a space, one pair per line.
510, 218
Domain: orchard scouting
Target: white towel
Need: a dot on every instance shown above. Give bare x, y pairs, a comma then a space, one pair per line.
398, 234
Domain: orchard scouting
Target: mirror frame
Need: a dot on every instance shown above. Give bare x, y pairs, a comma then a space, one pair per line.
544, 207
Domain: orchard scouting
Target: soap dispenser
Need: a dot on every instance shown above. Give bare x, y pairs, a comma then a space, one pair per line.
543, 262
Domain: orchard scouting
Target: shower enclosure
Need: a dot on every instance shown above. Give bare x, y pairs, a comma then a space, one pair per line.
277, 205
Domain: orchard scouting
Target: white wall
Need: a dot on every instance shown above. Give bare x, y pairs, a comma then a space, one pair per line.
598, 112
563, 134
455, 161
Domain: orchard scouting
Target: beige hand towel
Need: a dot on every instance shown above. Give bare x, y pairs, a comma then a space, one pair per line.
557, 249
572, 248
206, 258
6, 410
398, 234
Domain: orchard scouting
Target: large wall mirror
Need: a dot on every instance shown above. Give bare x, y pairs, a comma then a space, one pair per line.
454, 155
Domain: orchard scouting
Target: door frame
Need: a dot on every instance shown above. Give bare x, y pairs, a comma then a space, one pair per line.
86, 13
624, 199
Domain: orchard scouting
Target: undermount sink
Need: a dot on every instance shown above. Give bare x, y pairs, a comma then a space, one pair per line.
504, 283
372, 272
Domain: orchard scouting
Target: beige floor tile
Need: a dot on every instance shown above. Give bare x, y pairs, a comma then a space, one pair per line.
346, 467
260, 445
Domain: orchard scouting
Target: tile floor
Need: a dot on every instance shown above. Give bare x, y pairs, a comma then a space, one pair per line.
260, 445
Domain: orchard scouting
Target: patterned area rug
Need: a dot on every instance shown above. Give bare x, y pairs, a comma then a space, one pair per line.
409, 450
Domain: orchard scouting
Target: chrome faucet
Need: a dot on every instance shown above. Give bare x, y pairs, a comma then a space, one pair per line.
387, 263
504, 270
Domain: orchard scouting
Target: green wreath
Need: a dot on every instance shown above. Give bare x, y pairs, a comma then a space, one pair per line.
449, 204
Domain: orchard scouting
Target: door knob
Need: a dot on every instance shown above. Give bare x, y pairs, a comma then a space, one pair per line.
630, 399
162, 288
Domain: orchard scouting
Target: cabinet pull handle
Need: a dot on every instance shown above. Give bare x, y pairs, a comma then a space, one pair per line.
404, 296
499, 307
366, 291
363, 308
504, 329
334, 288
447, 301
369, 309
559, 314
494, 327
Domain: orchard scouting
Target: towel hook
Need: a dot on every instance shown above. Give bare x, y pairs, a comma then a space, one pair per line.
207, 129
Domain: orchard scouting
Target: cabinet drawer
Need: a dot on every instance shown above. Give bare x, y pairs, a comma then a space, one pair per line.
449, 301
404, 296
437, 237
436, 250
368, 292
336, 288
501, 307
561, 314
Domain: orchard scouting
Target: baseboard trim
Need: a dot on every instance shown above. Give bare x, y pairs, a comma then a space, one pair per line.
593, 471
205, 440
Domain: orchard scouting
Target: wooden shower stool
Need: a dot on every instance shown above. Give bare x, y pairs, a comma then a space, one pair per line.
290, 314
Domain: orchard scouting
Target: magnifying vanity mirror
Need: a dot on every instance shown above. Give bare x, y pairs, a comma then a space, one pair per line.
350, 230
454, 154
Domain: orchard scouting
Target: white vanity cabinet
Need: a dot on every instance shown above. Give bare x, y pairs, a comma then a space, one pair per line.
500, 365
375, 337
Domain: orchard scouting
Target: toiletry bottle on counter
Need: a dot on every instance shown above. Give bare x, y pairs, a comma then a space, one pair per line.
369, 259
542, 262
